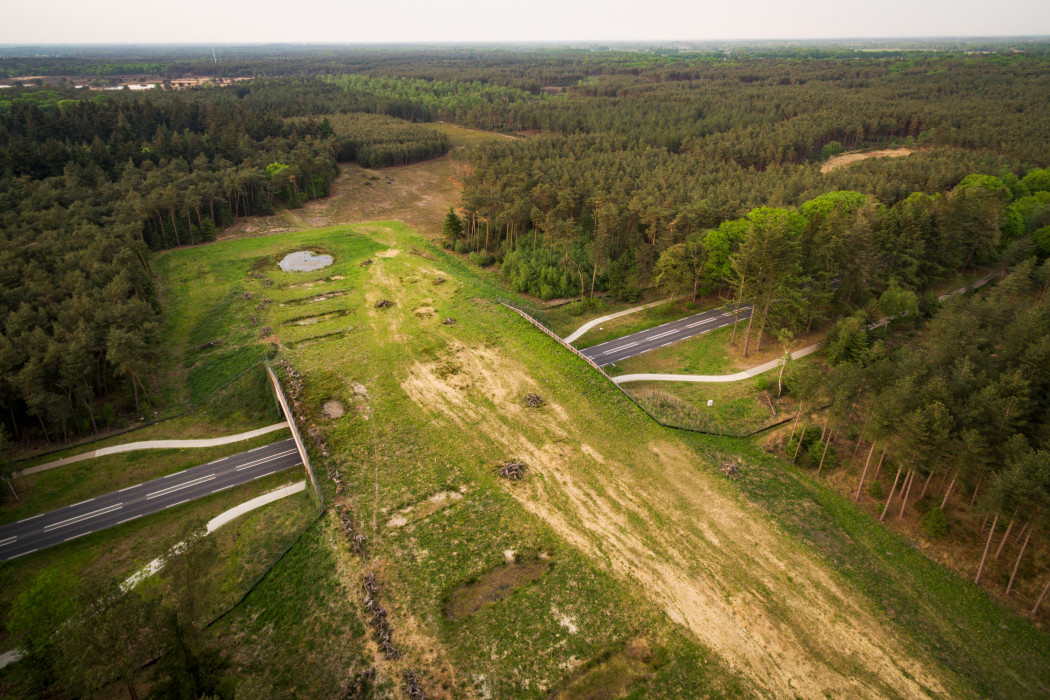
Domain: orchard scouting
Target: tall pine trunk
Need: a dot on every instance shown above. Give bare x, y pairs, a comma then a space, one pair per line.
1035, 608
864, 473
987, 546
825, 452
906, 489
878, 469
888, 500
999, 549
949, 491
1017, 564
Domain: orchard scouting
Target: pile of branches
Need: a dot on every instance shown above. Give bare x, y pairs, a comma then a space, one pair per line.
412, 685
513, 470
211, 344
439, 280
261, 277
355, 538
384, 304
448, 322
534, 400
730, 470
381, 631
366, 263
378, 621
360, 686
265, 332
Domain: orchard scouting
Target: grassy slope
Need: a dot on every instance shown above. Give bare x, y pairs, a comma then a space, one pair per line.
996, 651
247, 544
739, 407
645, 539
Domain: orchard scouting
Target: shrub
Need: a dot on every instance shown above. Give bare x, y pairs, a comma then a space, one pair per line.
808, 436
875, 489
482, 258
462, 247
761, 383
934, 524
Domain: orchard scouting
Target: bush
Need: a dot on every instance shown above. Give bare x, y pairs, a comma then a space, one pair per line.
761, 383
935, 524
482, 258
462, 247
808, 436
875, 490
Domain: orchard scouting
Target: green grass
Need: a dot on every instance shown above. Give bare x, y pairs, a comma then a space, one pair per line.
702, 354
739, 407
246, 544
297, 632
215, 297
425, 561
441, 406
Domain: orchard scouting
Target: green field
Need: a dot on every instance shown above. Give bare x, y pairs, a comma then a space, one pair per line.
665, 579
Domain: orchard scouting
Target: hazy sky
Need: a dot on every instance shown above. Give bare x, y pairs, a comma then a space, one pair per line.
226, 21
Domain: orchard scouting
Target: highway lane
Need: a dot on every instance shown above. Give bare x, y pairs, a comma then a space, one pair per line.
48, 529
653, 338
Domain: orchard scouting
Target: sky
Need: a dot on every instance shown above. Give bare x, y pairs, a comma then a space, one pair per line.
397, 21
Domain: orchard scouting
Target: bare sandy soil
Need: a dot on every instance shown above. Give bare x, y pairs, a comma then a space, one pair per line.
856, 156
649, 514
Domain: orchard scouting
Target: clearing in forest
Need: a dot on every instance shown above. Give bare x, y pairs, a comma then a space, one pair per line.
855, 156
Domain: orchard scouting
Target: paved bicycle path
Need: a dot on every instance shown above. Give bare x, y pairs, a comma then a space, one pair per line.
154, 445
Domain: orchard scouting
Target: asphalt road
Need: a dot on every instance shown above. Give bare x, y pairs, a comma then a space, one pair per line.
661, 336
64, 524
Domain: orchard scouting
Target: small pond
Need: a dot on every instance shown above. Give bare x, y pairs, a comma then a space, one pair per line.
304, 261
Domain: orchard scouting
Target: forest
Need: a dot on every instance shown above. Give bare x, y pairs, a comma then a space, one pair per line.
88, 187
696, 171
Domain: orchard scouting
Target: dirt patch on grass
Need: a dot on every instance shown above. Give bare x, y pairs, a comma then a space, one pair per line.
424, 509
847, 158
656, 515
312, 299
493, 586
313, 340
333, 408
613, 676
317, 318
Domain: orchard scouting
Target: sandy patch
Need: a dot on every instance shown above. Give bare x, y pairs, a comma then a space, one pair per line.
848, 158
333, 408
424, 509
391, 253
712, 564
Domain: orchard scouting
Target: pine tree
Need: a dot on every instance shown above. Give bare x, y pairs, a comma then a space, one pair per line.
452, 228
